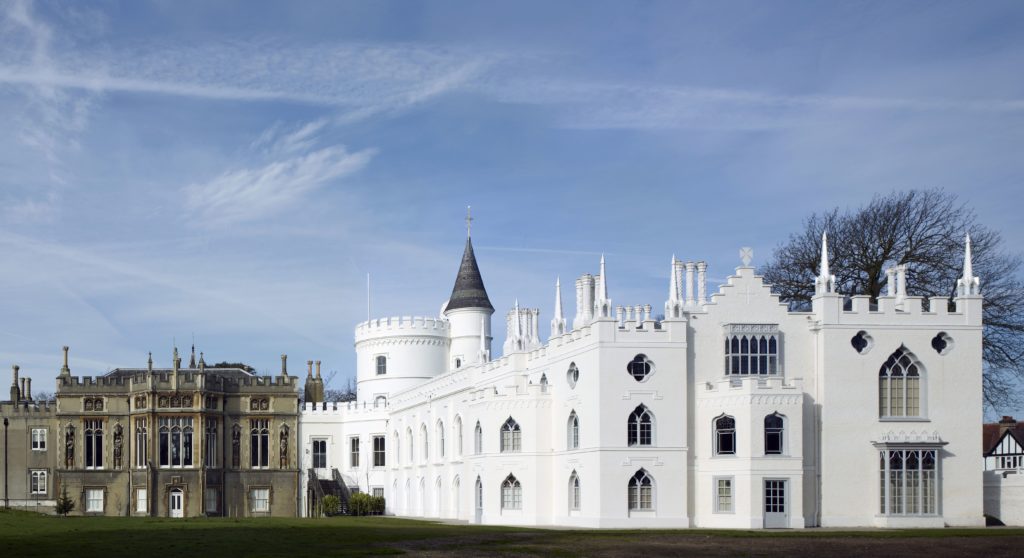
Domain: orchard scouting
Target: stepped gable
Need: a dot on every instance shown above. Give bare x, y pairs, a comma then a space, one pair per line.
469, 291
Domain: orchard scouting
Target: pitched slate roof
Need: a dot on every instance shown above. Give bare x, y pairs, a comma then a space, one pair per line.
991, 434
469, 291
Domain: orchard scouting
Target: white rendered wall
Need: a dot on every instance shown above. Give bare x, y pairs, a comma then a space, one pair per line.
827, 392
416, 349
1004, 497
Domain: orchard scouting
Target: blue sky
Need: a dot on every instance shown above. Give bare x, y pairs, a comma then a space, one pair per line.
233, 170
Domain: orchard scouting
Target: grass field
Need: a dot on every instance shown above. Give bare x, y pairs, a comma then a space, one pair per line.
27, 534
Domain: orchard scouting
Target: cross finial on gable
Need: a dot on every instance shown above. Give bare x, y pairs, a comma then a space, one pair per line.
746, 255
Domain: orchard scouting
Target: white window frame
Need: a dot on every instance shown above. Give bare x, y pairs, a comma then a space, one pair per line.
575, 492
94, 500
901, 481
93, 436
313, 443
141, 500
572, 434
717, 495
511, 494
380, 452
353, 452
38, 439
635, 492
511, 436
38, 482
380, 365
259, 499
749, 363
377, 491
141, 443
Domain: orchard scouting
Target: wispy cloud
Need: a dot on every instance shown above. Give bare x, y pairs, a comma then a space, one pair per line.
590, 104
295, 170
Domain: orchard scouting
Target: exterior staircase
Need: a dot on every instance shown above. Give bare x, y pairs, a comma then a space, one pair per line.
333, 486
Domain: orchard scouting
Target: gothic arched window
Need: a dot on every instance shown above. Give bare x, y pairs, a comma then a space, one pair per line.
773, 434
511, 436
899, 385
725, 435
573, 431
574, 492
641, 491
511, 494
640, 429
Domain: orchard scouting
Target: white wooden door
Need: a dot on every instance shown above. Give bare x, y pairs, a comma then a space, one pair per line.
776, 511
177, 503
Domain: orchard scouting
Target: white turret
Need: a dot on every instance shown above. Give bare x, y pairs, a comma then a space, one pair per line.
558, 321
968, 284
468, 310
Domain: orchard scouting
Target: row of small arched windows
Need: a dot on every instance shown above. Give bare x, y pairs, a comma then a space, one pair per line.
725, 435
639, 492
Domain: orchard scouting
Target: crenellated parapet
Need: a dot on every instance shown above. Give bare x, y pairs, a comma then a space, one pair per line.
402, 326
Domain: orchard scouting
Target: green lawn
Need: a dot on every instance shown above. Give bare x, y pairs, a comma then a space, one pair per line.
27, 534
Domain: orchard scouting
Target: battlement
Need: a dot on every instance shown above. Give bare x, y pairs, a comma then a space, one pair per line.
163, 379
905, 311
33, 408
753, 384
402, 325
342, 409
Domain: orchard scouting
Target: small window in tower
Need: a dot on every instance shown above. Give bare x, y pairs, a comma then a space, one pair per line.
382, 365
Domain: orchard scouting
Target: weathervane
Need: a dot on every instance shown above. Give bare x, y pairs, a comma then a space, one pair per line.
469, 221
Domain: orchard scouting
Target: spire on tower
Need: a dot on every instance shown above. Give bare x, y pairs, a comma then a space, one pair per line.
826, 282
968, 284
192, 359
469, 221
469, 291
558, 321
673, 296
602, 304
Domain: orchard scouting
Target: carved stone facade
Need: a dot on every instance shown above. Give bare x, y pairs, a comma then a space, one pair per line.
185, 455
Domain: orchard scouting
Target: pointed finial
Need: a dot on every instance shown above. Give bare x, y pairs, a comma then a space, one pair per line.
968, 264
672, 295
149, 361
558, 298
824, 255
968, 285
469, 221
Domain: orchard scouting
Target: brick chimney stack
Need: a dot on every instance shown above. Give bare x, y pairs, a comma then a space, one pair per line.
1007, 423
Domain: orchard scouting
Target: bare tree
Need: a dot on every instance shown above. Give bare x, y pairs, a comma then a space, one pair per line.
924, 229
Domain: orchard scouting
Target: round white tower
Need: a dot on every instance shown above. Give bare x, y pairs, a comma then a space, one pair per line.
469, 314
398, 353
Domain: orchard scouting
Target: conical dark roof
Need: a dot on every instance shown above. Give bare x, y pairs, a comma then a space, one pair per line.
469, 291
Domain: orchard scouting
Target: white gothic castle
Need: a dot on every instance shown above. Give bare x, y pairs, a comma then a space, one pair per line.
731, 411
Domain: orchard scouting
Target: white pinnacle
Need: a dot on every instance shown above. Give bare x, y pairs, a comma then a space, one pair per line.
558, 299
672, 282
968, 267
824, 255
